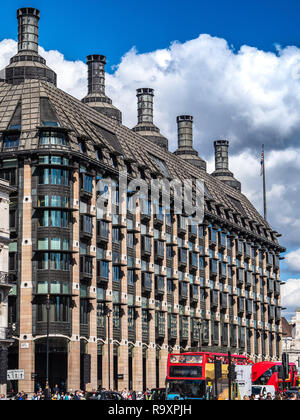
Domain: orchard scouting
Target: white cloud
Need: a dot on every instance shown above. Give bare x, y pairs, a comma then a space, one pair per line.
293, 261
290, 295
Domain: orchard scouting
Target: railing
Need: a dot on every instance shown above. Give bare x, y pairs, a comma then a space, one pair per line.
5, 333
4, 278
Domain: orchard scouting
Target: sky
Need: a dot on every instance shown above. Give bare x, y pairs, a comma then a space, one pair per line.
234, 66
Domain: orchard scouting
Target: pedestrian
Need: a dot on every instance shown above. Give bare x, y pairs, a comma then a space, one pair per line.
76, 396
277, 396
293, 397
140, 396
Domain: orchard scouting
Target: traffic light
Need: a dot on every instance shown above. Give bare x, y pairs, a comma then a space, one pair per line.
231, 372
286, 365
218, 369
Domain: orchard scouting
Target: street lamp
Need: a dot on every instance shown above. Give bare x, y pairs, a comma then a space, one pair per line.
108, 313
200, 337
48, 305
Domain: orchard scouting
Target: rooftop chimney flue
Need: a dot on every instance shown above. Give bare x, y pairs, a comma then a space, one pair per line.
96, 97
146, 126
145, 105
221, 155
185, 132
222, 171
185, 142
27, 63
96, 73
28, 29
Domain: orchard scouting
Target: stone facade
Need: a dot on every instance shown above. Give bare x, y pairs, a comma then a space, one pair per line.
128, 285
5, 287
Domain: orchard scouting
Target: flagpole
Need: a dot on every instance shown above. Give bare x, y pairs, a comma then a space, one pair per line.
264, 183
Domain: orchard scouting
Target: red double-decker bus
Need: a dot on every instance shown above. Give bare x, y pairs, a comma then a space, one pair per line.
189, 373
269, 373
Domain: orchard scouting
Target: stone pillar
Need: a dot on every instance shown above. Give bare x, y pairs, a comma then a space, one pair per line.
151, 352
108, 349
137, 367
26, 344
137, 362
92, 345
74, 345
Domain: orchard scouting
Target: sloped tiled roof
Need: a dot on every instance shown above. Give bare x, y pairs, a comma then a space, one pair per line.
84, 122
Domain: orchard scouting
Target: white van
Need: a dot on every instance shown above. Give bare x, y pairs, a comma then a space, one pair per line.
258, 390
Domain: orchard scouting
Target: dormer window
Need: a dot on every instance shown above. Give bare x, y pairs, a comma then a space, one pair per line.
99, 154
11, 141
53, 138
50, 124
82, 147
114, 161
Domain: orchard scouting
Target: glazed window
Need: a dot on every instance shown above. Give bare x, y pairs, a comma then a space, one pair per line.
87, 183
54, 261
52, 176
11, 141
53, 218
53, 160
52, 138
59, 310
53, 201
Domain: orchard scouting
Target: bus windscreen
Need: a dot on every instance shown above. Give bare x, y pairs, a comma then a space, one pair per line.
185, 372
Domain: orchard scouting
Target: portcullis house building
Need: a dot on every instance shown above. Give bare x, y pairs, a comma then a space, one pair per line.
121, 290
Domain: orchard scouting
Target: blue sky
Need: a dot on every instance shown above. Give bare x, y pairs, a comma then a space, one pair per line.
234, 81
112, 28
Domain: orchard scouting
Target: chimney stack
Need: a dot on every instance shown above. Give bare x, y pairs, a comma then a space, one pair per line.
28, 29
185, 131
221, 155
185, 142
96, 74
146, 126
96, 97
145, 105
222, 171
27, 63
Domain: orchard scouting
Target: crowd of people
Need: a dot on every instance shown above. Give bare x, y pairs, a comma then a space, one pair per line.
57, 394
278, 396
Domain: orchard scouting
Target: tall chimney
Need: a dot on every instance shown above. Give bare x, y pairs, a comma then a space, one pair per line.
28, 29
221, 155
185, 131
185, 142
27, 63
96, 73
145, 105
96, 97
222, 171
146, 126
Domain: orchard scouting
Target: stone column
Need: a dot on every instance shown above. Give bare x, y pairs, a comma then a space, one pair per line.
92, 345
26, 344
137, 362
151, 352
74, 345
123, 359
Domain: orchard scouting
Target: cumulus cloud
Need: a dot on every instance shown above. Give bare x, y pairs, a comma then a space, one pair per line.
248, 96
293, 261
290, 295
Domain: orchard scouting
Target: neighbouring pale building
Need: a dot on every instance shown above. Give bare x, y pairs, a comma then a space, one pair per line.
5, 287
125, 289
291, 338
